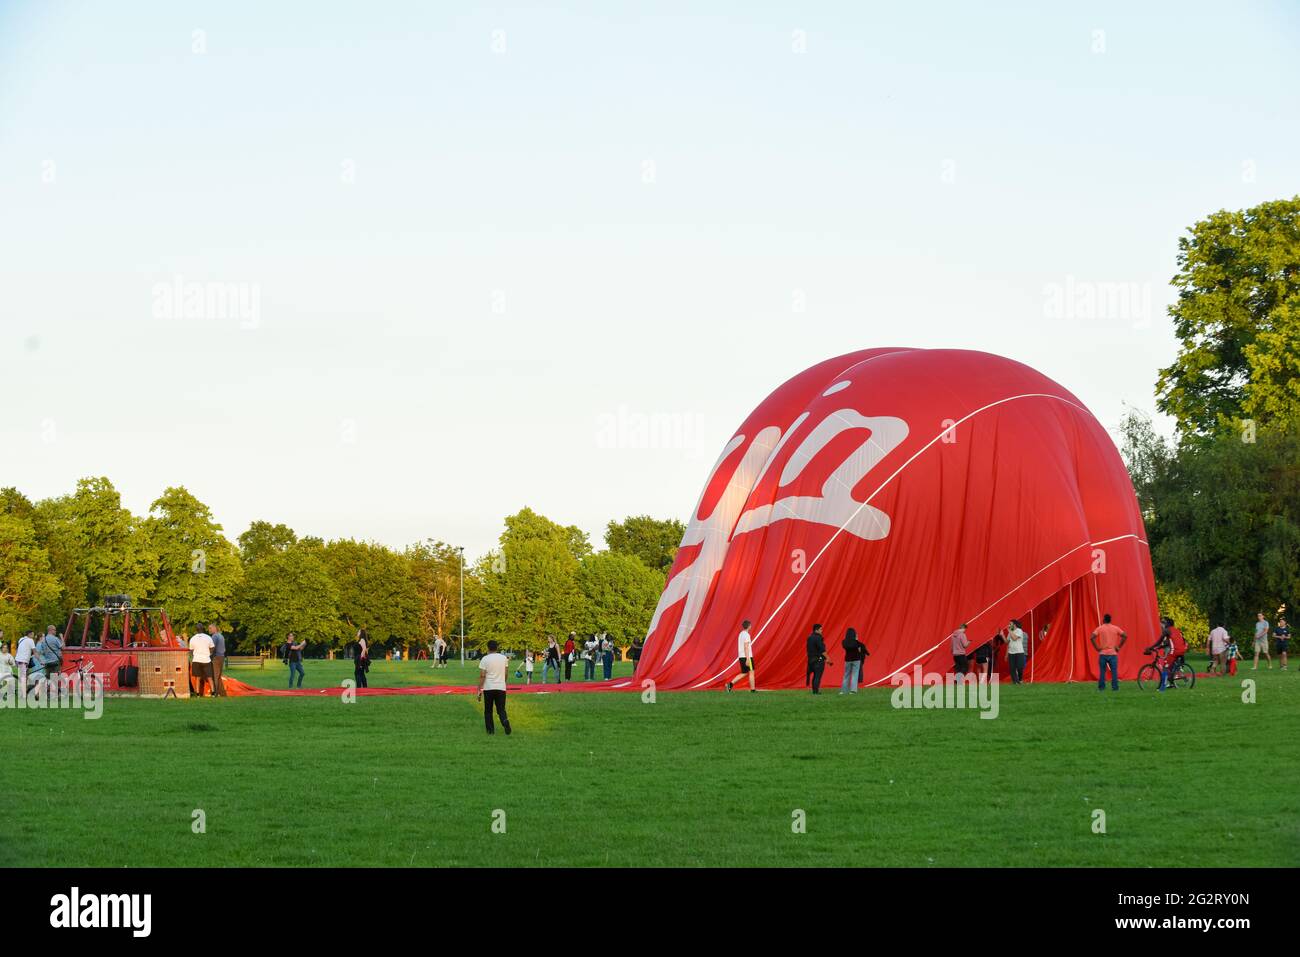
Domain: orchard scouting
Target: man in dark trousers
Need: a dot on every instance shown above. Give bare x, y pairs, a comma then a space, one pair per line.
218, 659
816, 659
492, 687
570, 652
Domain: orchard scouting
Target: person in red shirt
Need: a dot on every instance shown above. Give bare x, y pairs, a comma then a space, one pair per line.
1108, 639
1169, 650
570, 650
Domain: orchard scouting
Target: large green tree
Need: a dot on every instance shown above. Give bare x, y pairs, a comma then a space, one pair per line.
375, 591
57, 540
435, 569
1237, 319
198, 568
288, 591
263, 539
653, 540
528, 588
111, 547
621, 594
1222, 517
26, 581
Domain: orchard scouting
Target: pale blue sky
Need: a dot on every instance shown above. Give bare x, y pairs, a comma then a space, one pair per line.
462, 274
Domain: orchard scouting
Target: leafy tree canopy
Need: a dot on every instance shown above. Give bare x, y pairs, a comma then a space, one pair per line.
1237, 319
652, 540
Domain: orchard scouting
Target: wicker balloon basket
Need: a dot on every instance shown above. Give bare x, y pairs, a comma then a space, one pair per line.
164, 671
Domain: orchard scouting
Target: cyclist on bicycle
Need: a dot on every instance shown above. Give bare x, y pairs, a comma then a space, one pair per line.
1169, 650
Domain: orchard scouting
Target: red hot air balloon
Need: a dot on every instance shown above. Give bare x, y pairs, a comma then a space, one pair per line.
902, 492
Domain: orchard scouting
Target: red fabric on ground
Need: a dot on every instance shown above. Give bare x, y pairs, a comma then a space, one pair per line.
238, 689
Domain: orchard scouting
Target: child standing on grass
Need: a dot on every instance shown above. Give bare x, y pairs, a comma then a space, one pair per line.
1232, 655
528, 667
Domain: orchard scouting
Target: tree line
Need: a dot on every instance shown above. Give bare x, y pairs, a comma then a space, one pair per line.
543, 578
1221, 498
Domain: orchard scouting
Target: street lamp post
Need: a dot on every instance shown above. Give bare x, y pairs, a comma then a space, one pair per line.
461, 550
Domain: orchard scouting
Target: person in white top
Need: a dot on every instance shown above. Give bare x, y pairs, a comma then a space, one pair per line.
201, 646
1016, 651
6, 665
26, 648
492, 687
744, 656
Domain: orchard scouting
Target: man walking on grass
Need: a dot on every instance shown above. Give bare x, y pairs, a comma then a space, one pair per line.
294, 655
1108, 639
745, 656
492, 687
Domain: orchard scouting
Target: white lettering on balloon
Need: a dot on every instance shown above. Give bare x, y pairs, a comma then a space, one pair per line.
834, 507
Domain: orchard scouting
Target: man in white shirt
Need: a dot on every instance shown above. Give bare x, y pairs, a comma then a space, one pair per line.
744, 655
26, 648
201, 646
1016, 651
492, 687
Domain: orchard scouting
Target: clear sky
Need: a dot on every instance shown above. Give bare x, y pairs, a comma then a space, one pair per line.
472, 243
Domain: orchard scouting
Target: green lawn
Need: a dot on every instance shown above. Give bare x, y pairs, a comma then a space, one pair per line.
1193, 778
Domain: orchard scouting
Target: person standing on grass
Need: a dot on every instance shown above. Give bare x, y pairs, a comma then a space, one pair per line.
200, 662
492, 687
744, 656
570, 650
295, 659
26, 648
816, 647
1016, 651
49, 651
1108, 639
1218, 647
1261, 641
361, 664
218, 659
607, 655
7, 665
589, 652
960, 646
1231, 655
635, 654
855, 655
552, 661
1282, 636
528, 667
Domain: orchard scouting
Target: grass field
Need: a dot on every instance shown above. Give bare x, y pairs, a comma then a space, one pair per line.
1195, 778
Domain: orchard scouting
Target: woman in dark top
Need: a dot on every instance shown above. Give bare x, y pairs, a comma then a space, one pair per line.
855, 653
361, 664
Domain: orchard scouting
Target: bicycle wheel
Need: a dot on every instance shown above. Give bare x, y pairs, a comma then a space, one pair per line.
1184, 677
1149, 677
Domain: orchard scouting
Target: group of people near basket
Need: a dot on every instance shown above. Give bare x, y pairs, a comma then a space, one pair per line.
35, 660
